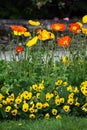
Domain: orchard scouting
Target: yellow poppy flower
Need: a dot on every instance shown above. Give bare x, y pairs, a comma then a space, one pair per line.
80, 24
45, 35
16, 33
27, 34
84, 19
32, 41
84, 31
34, 23
66, 60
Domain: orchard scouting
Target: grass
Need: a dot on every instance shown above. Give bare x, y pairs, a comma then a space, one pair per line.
65, 123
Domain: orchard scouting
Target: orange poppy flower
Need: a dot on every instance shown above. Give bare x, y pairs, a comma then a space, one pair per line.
19, 49
64, 41
18, 28
58, 27
74, 27
38, 30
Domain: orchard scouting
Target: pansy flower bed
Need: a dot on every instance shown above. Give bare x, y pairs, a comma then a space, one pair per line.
46, 74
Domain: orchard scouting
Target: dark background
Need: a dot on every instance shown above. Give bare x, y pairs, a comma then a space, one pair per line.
29, 9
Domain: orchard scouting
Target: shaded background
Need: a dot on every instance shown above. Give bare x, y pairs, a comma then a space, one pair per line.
42, 9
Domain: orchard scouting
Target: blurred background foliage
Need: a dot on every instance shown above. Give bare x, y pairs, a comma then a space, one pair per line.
42, 9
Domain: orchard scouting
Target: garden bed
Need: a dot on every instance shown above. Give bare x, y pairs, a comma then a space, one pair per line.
45, 75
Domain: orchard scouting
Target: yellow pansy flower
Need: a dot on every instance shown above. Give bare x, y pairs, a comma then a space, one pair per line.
14, 112
70, 101
69, 88
54, 111
41, 86
18, 100
59, 82
65, 84
38, 95
76, 90
84, 107
31, 109
48, 96
25, 107
66, 108
77, 104
57, 101
8, 108
1, 96
39, 105
32, 116
58, 117
47, 116
4, 102
62, 100
1, 105
71, 95
45, 105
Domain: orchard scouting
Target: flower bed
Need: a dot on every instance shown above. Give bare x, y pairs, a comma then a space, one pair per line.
37, 81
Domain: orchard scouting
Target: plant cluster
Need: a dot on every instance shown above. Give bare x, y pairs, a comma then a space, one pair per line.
38, 101
45, 75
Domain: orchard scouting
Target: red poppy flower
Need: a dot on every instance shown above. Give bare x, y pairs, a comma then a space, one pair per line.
19, 49
74, 27
58, 27
64, 41
18, 28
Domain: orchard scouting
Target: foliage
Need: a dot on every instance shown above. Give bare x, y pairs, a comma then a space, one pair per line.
37, 81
